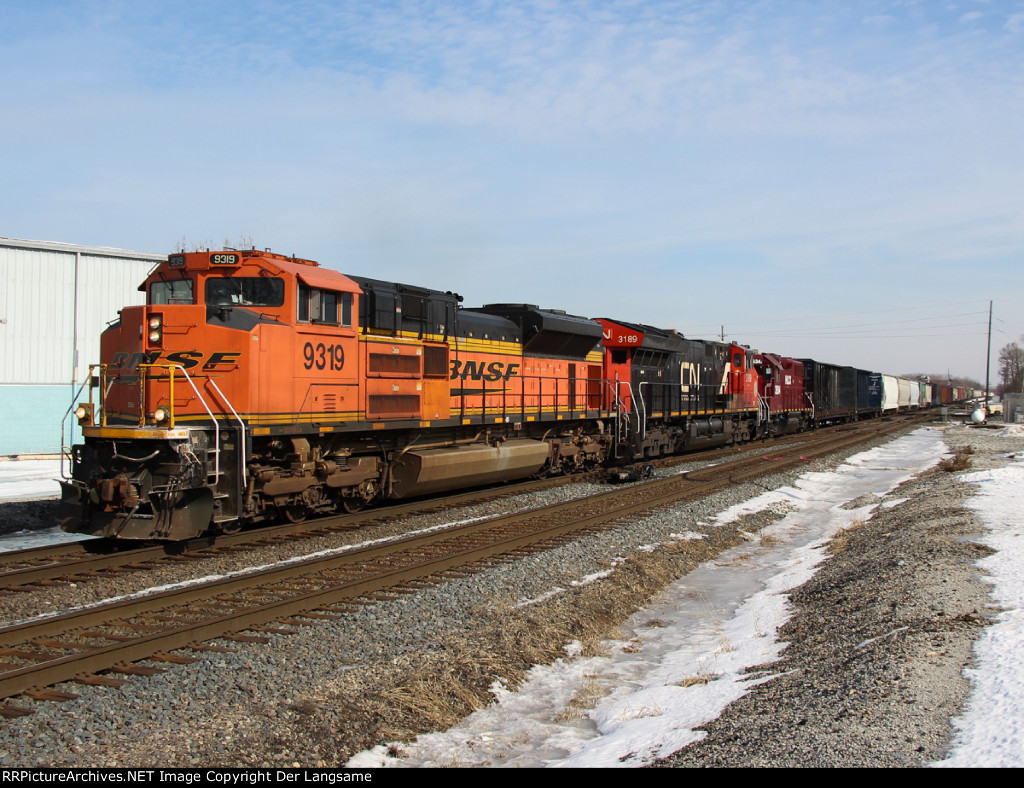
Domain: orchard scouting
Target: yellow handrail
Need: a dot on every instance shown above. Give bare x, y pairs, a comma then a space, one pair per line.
170, 392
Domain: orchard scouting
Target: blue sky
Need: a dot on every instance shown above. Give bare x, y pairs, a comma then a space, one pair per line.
829, 179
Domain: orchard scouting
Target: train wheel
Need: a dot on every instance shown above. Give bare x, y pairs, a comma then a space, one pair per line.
230, 527
296, 513
353, 505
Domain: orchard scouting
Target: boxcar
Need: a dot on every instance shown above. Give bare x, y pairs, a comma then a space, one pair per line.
833, 390
869, 393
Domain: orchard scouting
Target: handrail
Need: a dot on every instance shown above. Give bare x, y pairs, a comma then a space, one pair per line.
616, 404
64, 421
243, 450
574, 397
642, 422
216, 427
623, 421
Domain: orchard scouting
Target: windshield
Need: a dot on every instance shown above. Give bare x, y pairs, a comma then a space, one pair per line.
176, 291
244, 291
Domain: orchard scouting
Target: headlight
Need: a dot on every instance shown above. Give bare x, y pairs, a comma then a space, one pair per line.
156, 329
84, 414
161, 414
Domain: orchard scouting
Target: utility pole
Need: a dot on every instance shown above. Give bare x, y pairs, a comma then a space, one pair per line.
988, 354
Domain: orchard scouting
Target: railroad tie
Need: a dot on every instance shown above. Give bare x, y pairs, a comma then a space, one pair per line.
100, 681
175, 659
136, 670
57, 696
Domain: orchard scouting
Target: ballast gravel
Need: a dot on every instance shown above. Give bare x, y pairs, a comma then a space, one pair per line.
904, 581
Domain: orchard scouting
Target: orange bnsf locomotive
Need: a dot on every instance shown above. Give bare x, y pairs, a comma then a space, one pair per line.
253, 386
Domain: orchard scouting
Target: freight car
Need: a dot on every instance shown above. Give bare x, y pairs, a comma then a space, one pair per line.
832, 390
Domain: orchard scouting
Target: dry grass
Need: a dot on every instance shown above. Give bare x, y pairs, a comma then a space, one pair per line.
692, 681
767, 540
430, 689
439, 687
585, 698
960, 461
841, 541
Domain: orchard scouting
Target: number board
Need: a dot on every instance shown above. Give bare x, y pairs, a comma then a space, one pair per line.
618, 336
323, 356
223, 258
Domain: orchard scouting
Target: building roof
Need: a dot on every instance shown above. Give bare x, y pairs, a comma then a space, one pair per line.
95, 251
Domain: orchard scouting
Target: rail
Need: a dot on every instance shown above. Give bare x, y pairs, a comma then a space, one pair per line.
641, 414
65, 450
621, 421
185, 616
536, 395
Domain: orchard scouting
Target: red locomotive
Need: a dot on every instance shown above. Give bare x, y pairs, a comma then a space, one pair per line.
785, 406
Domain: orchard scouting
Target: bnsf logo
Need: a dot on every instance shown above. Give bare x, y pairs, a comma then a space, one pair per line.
480, 370
189, 359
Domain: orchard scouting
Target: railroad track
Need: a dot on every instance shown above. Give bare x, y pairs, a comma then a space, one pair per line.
97, 644
88, 559
73, 561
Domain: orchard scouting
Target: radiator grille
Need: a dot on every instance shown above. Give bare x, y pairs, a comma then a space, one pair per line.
435, 361
394, 405
390, 363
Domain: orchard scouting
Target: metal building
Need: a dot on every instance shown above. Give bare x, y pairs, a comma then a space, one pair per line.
1013, 408
55, 300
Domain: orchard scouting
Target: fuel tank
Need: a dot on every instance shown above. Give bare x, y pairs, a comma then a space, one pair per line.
439, 470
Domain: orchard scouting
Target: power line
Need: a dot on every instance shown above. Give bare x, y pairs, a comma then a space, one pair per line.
749, 335
839, 330
861, 313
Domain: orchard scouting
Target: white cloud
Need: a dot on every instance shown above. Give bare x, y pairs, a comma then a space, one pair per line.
542, 139
877, 20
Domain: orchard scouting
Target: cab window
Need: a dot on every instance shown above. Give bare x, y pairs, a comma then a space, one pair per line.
244, 291
324, 306
175, 291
